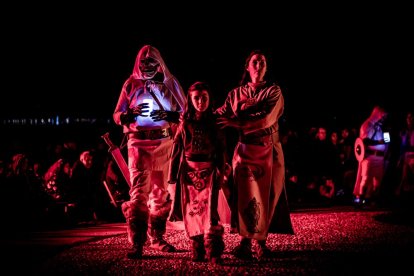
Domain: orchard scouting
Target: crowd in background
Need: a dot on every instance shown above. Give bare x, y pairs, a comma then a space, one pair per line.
67, 182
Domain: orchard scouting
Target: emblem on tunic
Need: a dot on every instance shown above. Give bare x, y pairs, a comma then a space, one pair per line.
197, 207
252, 215
198, 178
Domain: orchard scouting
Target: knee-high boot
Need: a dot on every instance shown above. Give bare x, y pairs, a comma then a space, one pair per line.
198, 249
137, 236
262, 250
137, 225
214, 243
244, 249
156, 231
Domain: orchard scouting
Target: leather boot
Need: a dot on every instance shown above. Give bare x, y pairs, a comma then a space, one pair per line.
156, 231
198, 249
244, 249
262, 250
214, 244
137, 235
137, 225
135, 252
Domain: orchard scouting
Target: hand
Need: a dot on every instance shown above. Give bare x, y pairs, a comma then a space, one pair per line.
169, 116
129, 116
140, 109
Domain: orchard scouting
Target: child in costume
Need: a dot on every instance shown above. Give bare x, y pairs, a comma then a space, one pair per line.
196, 167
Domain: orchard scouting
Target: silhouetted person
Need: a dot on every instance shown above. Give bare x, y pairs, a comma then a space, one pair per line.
84, 184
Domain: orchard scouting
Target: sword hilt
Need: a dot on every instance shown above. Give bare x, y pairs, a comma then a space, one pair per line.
109, 142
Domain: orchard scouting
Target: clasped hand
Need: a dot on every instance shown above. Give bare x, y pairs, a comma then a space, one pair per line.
129, 116
169, 116
140, 109
156, 115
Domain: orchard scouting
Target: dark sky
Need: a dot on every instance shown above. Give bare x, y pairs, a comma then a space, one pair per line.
331, 62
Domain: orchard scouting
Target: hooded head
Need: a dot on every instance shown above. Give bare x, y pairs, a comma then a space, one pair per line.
378, 115
148, 63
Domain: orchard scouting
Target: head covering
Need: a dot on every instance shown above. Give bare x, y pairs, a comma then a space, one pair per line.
372, 126
169, 80
378, 114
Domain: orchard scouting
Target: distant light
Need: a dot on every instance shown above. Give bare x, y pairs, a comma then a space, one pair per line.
55, 120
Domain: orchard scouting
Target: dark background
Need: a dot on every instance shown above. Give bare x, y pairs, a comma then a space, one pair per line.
334, 63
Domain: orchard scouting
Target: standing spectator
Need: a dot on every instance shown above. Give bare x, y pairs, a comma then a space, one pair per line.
148, 109
58, 186
84, 187
23, 194
349, 166
323, 163
56, 180
254, 109
371, 168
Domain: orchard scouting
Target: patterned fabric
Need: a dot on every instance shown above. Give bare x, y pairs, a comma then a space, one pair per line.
196, 197
258, 161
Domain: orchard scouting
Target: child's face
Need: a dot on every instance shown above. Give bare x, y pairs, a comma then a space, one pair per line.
200, 100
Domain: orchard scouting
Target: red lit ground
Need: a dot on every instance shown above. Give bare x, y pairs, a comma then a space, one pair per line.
329, 241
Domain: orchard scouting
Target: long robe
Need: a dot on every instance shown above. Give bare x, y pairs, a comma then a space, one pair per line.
258, 161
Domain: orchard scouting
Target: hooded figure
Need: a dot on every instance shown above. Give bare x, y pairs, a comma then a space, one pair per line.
371, 168
149, 109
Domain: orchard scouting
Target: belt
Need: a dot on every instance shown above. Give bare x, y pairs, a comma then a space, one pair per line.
374, 152
153, 134
259, 140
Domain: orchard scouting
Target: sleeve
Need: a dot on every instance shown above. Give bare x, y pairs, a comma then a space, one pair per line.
177, 92
264, 108
273, 109
122, 107
176, 153
226, 109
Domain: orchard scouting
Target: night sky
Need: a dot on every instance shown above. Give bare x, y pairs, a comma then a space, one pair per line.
333, 63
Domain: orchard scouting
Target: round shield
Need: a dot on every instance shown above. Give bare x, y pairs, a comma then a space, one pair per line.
359, 149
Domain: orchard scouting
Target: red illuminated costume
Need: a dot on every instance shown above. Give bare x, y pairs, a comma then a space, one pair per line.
254, 108
148, 108
197, 166
371, 168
